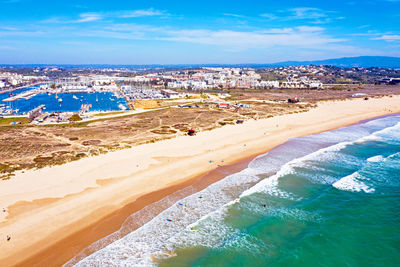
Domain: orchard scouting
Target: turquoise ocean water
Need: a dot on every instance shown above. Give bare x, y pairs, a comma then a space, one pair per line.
331, 199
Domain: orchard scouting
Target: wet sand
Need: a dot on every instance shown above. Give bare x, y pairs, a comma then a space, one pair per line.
74, 244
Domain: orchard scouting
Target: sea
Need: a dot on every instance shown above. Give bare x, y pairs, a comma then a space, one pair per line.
329, 199
71, 102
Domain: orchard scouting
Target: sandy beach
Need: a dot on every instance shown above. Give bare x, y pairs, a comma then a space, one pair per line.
53, 213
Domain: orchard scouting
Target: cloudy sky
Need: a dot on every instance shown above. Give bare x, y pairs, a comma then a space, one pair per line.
189, 32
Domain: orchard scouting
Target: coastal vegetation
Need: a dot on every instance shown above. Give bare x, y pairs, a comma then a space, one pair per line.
29, 146
13, 120
26, 146
75, 117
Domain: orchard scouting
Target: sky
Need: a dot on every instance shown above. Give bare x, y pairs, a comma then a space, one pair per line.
195, 32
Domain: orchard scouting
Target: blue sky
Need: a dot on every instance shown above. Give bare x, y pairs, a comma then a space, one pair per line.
189, 32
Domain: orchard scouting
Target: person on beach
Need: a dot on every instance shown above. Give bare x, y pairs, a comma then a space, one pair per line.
8, 238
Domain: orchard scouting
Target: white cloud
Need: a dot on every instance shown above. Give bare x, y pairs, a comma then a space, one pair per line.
84, 17
308, 13
88, 17
305, 37
96, 16
277, 30
269, 16
312, 14
300, 37
129, 27
310, 29
234, 15
141, 13
388, 37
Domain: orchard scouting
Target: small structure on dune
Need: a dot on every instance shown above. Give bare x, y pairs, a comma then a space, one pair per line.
293, 100
191, 132
223, 105
359, 95
244, 105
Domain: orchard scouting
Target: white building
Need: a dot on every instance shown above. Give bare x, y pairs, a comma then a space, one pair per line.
14, 82
315, 84
110, 87
141, 79
269, 84
126, 87
170, 93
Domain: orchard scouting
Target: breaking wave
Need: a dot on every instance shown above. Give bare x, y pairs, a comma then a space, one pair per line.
198, 219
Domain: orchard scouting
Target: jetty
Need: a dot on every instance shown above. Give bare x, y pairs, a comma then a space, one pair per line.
36, 112
25, 95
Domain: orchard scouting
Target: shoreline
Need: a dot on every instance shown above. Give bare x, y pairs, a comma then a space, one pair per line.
327, 116
80, 241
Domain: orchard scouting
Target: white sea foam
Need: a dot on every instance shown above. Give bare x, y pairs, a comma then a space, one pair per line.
388, 130
208, 231
137, 247
214, 232
378, 158
381, 134
245, 243
270, 184
199, 222
393, 156
211, 231
352, 183
369, 138
295, 213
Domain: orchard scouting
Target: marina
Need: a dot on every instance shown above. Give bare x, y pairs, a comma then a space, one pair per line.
24, 100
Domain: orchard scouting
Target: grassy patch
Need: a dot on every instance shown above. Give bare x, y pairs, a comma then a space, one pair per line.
3, 167
7, 121
164, 131
75, 117
80, 155
108, 113
248, 114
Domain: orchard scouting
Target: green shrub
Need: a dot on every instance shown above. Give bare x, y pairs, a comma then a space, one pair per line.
75, 117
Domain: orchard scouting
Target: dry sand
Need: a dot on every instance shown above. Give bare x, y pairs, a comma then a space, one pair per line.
45, 207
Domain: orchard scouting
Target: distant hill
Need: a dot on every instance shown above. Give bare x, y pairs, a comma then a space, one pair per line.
347, 62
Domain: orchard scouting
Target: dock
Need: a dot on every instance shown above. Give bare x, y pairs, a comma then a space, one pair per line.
25, 95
